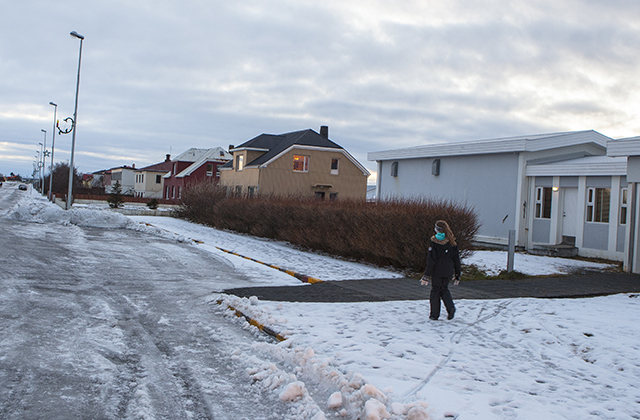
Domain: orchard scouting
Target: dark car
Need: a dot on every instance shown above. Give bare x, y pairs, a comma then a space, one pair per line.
22, 187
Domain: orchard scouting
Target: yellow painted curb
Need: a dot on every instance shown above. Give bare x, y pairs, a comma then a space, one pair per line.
253, 322
301, 277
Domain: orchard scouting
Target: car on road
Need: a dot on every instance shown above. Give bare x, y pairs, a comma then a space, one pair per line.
22, 187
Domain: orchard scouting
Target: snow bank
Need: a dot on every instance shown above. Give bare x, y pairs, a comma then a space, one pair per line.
348, 394
38, 209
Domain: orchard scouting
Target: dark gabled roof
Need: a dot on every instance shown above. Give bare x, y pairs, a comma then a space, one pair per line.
158, 167
277, 143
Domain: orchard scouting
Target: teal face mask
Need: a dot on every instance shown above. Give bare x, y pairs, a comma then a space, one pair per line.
440, 236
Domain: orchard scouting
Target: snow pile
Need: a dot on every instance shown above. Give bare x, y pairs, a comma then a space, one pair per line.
341, 393
492, 262
39, 210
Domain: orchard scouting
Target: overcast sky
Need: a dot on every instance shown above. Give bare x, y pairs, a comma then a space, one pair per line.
160, 77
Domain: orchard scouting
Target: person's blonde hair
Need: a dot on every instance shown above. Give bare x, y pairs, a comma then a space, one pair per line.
447, 231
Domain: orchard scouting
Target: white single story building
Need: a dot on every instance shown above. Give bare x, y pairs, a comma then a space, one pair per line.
561, 192
629, 149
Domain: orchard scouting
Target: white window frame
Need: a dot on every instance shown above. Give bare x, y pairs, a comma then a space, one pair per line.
239, 162
305, 163
209, 172
624, 210
594, 210
337, 169
540, 203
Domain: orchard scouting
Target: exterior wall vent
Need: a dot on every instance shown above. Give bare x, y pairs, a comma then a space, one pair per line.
394, 169
435, 167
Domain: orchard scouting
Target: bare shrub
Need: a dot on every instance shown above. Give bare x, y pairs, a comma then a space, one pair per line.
390, 233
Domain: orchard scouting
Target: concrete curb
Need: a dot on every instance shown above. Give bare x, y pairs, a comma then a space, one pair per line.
253, 322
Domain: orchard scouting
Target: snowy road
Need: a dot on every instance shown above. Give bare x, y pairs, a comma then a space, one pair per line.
113, 323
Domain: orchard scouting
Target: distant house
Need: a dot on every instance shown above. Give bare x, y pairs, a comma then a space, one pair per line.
193, 166
304, 163
559, 192
149, 180
123, 174
87, 180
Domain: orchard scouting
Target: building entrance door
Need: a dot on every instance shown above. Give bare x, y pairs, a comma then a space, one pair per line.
569, 214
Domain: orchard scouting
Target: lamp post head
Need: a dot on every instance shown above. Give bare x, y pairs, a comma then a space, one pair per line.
51, 103
43, 130
76, 35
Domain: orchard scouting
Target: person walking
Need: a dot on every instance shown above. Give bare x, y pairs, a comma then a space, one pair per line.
443, 262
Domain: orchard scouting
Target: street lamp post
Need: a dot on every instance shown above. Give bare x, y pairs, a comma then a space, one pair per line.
40, 166
44, 152
74, 34
53, 145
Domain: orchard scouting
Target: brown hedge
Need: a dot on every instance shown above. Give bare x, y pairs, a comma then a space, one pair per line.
391, 233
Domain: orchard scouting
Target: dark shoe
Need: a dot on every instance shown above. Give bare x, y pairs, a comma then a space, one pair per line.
433, 318
451, 315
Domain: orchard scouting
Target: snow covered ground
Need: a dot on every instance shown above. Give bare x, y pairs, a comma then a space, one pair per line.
501, 359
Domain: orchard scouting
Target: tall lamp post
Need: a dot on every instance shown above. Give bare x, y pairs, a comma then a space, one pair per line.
74, 34
53, 145
40, 166
44, 153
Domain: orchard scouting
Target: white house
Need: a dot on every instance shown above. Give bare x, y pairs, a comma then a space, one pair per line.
560, 192
629, 150
125, 175
149, 180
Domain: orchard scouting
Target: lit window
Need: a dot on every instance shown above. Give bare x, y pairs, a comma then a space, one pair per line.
335, 163
598, 204
300, 163
543, 203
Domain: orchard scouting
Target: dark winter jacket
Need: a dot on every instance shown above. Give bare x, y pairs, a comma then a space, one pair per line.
443, 259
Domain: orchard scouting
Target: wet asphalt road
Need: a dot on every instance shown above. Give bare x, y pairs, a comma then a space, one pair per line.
116, 324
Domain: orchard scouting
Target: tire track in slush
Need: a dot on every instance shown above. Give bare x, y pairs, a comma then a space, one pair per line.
455, 339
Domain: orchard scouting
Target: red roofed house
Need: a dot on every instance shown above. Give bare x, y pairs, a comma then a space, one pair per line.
193, 166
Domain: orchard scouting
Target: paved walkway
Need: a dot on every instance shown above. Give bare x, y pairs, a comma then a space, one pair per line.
379, 290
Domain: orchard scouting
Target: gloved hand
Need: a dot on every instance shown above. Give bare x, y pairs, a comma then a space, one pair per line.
424, 280
456, 280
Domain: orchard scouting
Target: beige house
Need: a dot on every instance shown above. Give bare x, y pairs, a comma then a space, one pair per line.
301, 163
149, 180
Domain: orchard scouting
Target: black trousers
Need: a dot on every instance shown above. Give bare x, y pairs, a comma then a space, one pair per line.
440, 290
